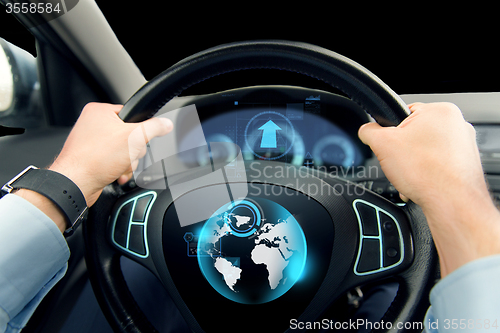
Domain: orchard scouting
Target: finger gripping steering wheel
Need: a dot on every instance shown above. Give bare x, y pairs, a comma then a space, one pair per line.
358, 225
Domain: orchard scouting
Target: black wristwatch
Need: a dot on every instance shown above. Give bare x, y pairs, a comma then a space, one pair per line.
58, 188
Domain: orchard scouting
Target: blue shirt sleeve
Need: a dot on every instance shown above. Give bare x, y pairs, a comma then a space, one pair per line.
467, 300
33, 258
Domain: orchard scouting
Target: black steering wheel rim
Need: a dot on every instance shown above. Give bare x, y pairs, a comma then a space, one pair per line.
362, 86
358, 83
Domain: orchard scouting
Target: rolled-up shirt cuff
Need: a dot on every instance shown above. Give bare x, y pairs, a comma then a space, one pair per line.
467, 299
33, 257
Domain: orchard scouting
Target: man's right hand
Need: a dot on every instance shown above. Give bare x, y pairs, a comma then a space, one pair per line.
432, 158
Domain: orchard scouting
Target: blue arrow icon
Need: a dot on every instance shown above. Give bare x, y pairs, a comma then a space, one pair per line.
269, 134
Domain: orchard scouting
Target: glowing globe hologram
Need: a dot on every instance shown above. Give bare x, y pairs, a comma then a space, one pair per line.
252, 251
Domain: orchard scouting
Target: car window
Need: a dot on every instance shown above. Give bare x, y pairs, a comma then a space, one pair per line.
6, 83
20, 99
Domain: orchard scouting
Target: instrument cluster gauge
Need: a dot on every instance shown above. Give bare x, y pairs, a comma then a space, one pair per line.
334, 150
218, 152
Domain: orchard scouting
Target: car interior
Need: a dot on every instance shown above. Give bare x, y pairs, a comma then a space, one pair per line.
277, 108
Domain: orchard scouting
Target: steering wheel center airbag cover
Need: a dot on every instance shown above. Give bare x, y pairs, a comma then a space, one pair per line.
223, 264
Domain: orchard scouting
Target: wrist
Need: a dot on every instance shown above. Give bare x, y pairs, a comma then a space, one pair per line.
45, 205
75, 175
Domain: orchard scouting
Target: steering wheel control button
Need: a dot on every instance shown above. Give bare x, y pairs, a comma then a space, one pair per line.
129, 229
388, 226
391, 253
391, 240
381, 244
140, 208
369, 259
136, 239
122, 223
368, 216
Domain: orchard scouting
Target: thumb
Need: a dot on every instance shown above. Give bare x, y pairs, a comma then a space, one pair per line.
145, 132
369, 132
156, 127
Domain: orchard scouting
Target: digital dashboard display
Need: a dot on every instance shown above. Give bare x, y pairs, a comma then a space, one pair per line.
294, 133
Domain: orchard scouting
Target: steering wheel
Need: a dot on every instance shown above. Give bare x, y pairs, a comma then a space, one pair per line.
352, 235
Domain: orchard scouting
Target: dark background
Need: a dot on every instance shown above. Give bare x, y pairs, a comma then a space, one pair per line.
415, 51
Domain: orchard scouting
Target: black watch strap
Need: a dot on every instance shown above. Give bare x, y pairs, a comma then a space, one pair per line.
58, 188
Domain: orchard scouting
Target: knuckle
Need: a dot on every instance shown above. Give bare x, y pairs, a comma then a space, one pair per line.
89, 107
470, 128
451, 108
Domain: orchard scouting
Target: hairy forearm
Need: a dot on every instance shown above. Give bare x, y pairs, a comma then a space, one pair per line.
464, 229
